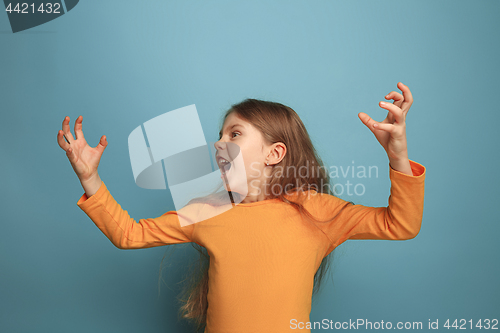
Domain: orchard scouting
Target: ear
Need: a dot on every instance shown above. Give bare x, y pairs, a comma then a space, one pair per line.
277, 153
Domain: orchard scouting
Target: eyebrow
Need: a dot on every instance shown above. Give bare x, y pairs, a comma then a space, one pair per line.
220, 133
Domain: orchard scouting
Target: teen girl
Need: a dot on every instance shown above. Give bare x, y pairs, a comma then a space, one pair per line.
267, 253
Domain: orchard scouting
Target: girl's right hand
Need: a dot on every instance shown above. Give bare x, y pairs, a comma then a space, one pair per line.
83, 158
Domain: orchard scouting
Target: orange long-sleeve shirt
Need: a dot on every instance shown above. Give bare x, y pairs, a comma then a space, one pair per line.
263, 256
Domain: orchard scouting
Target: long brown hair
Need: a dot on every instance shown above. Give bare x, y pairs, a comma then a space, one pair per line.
277, 123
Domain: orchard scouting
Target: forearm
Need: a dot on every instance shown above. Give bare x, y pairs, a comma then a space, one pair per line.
400, 220
91, 185
123, 231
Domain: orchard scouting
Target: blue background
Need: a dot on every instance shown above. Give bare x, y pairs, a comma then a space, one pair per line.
121, 63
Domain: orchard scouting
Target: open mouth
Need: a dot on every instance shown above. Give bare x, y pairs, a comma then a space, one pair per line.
224, 165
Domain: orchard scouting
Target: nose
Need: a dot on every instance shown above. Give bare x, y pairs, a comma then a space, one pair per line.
220, 145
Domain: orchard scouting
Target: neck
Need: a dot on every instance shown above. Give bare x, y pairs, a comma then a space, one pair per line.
256, 191
254, 196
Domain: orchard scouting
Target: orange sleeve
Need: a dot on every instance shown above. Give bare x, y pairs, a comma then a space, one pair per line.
400, 220
123, 231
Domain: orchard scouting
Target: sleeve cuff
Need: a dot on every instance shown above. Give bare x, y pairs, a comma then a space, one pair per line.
417, 169
85, 201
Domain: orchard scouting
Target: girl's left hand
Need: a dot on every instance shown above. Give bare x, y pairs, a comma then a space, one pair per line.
391, 132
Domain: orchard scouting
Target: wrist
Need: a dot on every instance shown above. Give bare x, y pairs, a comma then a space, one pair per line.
91, 185
401, 164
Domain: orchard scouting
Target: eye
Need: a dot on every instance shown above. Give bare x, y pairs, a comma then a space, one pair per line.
234, 133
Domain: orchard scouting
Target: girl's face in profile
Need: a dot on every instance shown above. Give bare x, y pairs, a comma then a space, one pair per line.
239, 136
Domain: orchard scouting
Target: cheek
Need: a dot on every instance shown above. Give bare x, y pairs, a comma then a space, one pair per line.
253, 161
254, 170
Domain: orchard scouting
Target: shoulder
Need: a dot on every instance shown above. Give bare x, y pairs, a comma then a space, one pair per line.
319, 204
310, 196
203, 208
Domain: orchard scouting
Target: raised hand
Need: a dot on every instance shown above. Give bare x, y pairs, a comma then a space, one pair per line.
391, 132
83, 158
